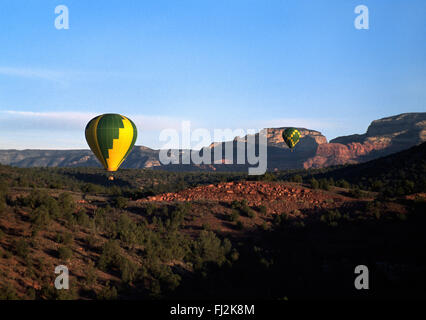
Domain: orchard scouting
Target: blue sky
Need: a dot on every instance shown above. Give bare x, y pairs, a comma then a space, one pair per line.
219, 64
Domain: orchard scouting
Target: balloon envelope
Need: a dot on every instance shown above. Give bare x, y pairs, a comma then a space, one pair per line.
291, 137
111, 137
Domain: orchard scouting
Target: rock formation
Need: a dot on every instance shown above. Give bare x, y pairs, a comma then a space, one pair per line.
383, 137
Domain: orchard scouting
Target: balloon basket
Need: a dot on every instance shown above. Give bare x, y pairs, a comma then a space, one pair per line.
111, 178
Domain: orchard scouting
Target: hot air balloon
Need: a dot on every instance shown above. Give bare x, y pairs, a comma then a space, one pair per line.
291, 137
111, 138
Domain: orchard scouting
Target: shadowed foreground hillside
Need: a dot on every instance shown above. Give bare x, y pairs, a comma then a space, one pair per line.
158, 235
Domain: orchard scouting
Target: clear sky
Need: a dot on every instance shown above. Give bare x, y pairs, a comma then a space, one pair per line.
219, 64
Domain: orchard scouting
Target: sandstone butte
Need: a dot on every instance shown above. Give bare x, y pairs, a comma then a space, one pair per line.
383, 137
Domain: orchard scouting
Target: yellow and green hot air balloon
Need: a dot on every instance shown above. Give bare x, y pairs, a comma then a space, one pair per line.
291, 137
111, 138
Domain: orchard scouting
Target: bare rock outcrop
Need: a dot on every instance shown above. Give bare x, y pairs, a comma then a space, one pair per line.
383, 137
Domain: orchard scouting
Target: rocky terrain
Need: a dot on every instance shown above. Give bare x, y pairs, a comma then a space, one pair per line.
164, 235
383, 137
277, 197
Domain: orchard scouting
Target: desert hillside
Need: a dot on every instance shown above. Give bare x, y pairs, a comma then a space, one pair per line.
158, 234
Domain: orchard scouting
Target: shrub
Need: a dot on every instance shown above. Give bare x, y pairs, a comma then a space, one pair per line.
90, 188
298, 224
314, 183
66, 238
164, 279
234, 256
377, 214
66, 202
83, 219
343, 184
40, 216
2, 202
91, 240
110, 256
357, 193
70, 294
91, 276
65, 253
377, 185
251, 214
99, 218
297, 178
324, 184
331, 217
243, 207
31, 294
107, 293
267, 177
126, 229
150, 209
54, 209
262, 209
22, 248
235, 204
402, 217
128, 270
209, 248
120, 202
7, 292
206, 226
234, 215
296, 212
277, 219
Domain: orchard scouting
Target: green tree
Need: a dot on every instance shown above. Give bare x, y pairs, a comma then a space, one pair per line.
297, 178
21, 248
40, 216
120, 202
110, 256
108, 292
209, 248
314, 183
65, 253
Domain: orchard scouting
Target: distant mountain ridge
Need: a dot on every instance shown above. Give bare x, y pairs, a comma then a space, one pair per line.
383, 137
